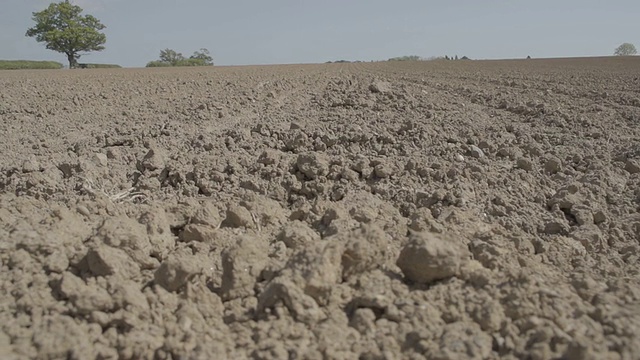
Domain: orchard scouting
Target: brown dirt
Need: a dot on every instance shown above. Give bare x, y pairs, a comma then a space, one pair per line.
438, 210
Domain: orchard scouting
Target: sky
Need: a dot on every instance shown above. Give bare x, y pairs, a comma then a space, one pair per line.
244, 32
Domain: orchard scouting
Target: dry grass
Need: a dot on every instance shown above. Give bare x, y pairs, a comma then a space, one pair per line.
130, 195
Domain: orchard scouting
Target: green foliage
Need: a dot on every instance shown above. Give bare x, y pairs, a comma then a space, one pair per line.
192, 62
63, 29
203, 56
157, 63
406, 58
625, 49
26, 64
170, 57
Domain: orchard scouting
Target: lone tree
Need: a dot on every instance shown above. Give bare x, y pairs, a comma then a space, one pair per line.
625, 49
64, 30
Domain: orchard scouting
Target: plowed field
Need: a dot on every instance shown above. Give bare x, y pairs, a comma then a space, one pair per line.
395, 210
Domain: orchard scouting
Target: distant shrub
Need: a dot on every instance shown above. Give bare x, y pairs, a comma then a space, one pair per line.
192, 62
99, 66
406, 58
29, 65
183, 62
170, 57
344, 62
158, 63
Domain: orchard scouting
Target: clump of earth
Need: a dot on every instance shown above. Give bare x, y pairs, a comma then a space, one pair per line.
429, 210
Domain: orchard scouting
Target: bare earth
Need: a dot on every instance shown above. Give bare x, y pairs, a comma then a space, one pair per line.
436, 210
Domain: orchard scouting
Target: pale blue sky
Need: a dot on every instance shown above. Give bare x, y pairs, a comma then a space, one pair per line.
305, 31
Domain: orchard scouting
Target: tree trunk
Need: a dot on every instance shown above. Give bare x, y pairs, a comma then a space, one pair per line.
73, 62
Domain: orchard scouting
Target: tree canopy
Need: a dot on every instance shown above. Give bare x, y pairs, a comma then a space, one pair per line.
203, 55
63, 29
169, 57
625, 49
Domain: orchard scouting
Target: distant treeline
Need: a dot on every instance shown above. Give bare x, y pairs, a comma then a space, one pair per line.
343, 62
169, 58
47, 65
183, 62
405, 58
99, 66
28, 65
418, 58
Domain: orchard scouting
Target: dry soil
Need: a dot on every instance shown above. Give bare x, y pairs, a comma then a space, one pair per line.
432, 210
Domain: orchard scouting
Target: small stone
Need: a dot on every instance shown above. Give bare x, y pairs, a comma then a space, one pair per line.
476, 152
361, 164
174, 273
383, 171
350, 175
30, 165
237, 217
153, 160
524, 164
198, 233
632, 166
510, 152
590, 237
484, 145
294, 125
114, 153
296, 235
599, 217
459, 157
126, 234
428, 258
269, 157
379, 86
100, 159
312, 165
302, 306
555, 227
81, 209
106, 260
208, 214
553, 165
583, 215
149, 183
